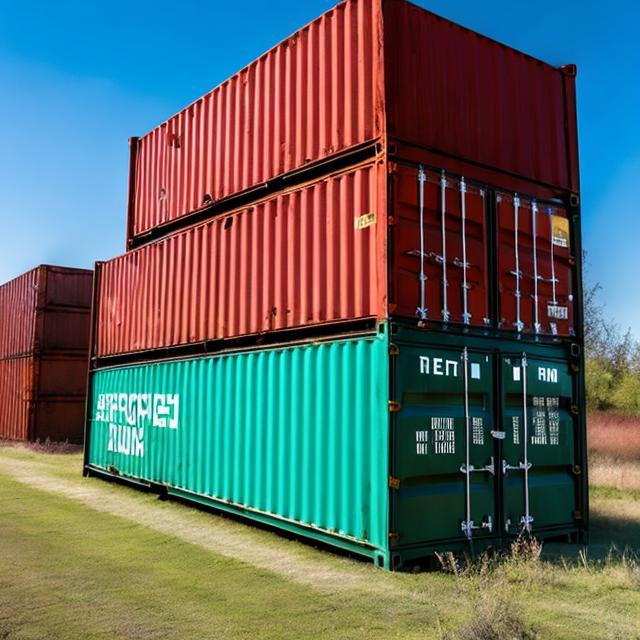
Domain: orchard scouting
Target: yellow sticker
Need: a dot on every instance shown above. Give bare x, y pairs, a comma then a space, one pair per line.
560, 231
365, 220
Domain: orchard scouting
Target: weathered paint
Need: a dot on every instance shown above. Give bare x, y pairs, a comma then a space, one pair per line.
16, 395
451, 90
309, 256
317, 93
360, 441
342, 249
366, 73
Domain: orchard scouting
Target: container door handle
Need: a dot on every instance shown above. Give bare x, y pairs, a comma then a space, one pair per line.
489, 468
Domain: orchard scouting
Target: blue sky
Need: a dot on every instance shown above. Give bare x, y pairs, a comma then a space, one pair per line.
78, 78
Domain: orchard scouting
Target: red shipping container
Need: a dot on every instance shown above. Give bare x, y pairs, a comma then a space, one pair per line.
366, 73
45, 309
377, 240
43, 397
308, 256
44, 344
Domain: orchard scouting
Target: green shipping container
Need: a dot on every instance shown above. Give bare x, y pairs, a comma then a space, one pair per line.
391, 445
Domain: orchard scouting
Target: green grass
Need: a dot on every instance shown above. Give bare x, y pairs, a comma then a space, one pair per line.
68, 570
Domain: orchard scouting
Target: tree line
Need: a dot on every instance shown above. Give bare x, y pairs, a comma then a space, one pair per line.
612, 368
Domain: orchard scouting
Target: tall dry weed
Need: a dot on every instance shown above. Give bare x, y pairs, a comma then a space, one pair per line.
614, 436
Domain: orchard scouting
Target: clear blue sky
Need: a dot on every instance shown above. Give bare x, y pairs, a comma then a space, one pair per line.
78, 78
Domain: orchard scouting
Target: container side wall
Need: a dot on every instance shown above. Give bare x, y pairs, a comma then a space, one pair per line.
311, 97
16, 397
454, 91
18, 302
310, 256
299, 433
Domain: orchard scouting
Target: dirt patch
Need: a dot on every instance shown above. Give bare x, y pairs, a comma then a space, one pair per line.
216, 535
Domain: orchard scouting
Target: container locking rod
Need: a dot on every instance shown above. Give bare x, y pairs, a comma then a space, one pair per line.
421, 311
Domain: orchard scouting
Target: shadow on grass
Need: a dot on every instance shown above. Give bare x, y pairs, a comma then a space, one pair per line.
607, 532
621, 531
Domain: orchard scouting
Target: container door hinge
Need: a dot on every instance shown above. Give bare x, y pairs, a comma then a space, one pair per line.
394, 350
394, 483
577, 515
394, 406
393, 538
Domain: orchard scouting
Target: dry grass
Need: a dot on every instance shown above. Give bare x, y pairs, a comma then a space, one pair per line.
609, 472
614, 436
614, 450
43, 446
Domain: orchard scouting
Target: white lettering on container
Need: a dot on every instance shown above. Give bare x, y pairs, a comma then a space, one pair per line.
422, 443
444, 436
438, 366
128, 414
548, 374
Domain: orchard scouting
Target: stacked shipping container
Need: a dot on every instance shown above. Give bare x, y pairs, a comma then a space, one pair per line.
383, 181
44, 338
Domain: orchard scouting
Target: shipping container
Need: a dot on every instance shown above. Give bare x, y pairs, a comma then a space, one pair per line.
44, 349
366, 76
390, 445
43, 397
45, 309
370, 242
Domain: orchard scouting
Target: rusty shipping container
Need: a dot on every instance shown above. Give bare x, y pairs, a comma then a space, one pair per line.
370, 242
367, 75
44, 334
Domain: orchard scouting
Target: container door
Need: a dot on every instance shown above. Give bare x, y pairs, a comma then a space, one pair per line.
440, 249
535, 267
538, 454
444, 459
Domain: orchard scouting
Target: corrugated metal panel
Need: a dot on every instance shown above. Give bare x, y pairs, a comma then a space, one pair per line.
310, 256
60, 418
16, 397
44, 314
18, 301
64, 330
46, 308
42, 397
62, 375
68, 287
457, 92
314, 95
299, 433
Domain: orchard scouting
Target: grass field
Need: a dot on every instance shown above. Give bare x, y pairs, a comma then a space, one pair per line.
82, 558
